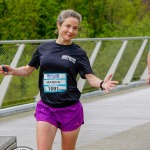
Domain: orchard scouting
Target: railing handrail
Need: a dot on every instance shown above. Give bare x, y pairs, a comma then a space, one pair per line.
77, 39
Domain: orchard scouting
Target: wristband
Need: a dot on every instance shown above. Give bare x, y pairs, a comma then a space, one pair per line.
101, 85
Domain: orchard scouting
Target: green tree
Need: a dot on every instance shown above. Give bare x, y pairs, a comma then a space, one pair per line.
47, 13
19, 20
36, 19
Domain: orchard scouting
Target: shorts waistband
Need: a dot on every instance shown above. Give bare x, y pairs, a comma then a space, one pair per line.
67, 104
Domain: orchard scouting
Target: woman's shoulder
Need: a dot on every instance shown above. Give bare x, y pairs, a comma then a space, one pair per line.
45, 45
79, 48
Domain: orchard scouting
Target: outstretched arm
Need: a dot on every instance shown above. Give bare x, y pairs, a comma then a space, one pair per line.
107, 84
21, 71
148, 64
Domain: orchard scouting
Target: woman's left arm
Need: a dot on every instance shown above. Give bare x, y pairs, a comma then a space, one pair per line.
107, 84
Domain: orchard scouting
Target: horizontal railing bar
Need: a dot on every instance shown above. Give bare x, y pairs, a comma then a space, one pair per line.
77, 39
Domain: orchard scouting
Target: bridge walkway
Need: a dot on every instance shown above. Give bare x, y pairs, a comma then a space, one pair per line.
115, 121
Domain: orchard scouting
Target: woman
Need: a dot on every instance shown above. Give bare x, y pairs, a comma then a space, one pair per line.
60, 61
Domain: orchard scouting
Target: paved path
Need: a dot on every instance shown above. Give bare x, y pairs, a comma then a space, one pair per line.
117, 121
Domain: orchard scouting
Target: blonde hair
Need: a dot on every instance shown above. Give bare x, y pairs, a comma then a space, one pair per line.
68, 13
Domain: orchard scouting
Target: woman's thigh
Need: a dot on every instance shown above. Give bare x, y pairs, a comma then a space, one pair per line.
45, 133
69, 139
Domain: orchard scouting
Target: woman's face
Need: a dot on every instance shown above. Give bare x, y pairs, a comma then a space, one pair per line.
68, 29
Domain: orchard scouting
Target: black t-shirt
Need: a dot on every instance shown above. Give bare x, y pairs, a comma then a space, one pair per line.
61, 59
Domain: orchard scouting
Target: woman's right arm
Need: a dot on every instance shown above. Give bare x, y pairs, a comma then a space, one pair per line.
21, 71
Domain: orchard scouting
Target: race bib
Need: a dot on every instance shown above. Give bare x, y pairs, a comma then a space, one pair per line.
55, 82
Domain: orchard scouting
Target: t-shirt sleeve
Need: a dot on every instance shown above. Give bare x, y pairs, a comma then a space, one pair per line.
35, 61
84, 66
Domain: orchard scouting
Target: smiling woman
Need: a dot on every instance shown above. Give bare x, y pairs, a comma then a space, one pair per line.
60, 61
67, 24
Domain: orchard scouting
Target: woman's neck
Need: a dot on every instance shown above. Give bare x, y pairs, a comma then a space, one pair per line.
61, 42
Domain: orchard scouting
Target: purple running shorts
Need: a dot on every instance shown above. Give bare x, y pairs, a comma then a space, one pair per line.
66, 119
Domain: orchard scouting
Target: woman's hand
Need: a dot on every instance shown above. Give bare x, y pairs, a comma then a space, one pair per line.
108, 84
5, 70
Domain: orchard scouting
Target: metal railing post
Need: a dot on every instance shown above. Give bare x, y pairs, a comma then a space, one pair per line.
7, 79
115, 63
81, 82
144, 76
133, 66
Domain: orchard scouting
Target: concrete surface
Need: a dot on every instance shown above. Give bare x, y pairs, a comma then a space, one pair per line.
137, 138
117, 121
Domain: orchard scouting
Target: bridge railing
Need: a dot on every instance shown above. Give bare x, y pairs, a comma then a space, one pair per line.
125, 57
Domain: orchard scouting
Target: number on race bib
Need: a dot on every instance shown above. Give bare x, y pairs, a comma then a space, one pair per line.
55, 82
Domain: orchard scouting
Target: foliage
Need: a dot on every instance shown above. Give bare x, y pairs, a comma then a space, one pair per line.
36, 19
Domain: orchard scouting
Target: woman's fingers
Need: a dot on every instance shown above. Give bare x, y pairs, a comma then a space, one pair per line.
108, 84
108, 78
